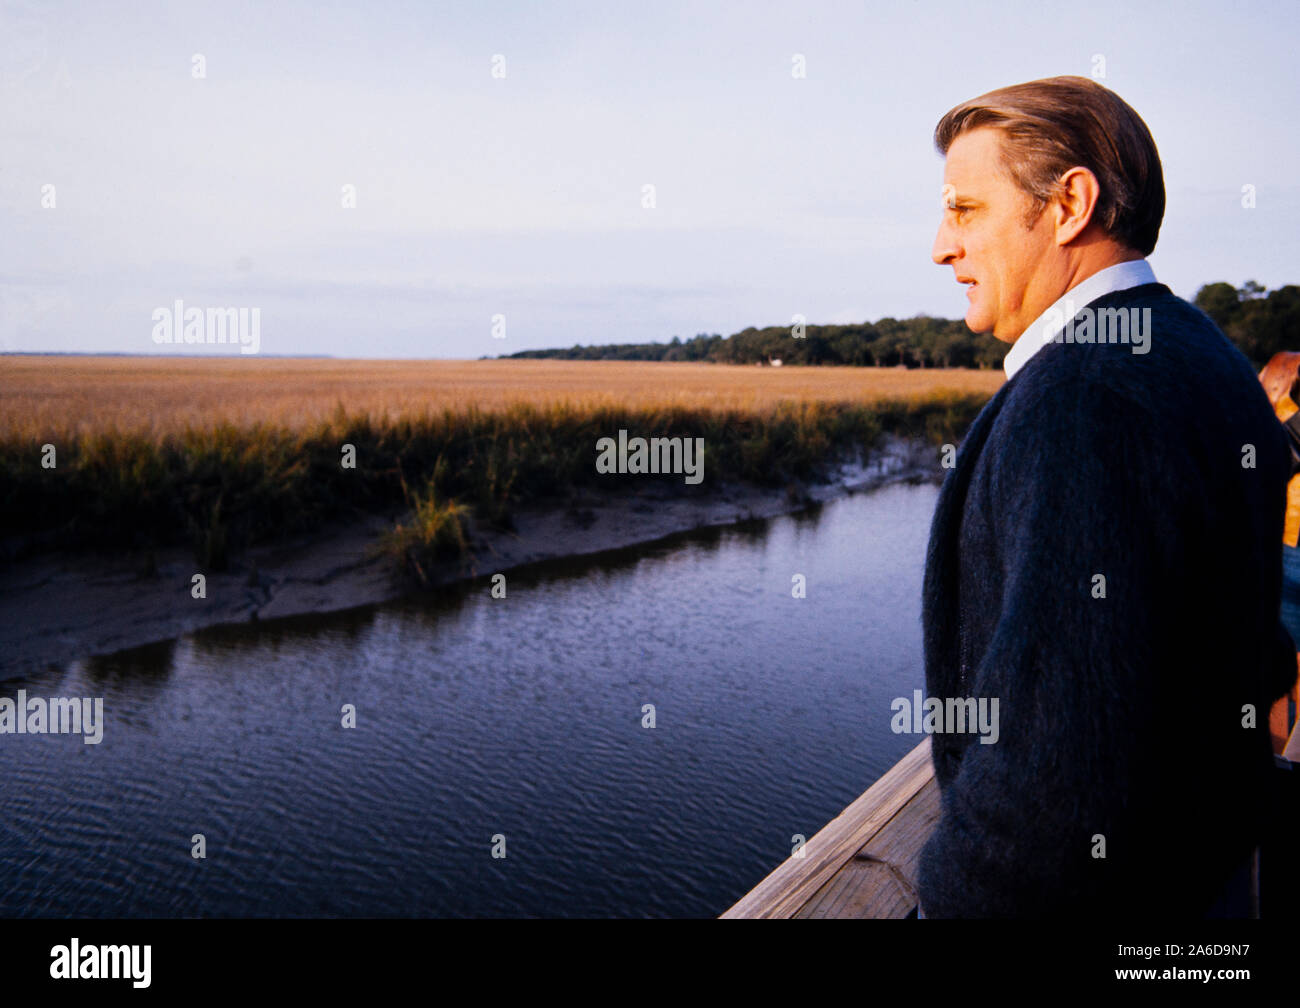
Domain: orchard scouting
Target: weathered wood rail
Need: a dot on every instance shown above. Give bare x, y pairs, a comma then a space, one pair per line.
863, 862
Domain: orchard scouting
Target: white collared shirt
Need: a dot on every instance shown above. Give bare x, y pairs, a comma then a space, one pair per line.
1119, 277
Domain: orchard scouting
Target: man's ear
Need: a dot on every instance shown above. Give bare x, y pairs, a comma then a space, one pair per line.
1077, 194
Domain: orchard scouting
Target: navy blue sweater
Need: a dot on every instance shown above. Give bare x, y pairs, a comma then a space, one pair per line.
1121, 717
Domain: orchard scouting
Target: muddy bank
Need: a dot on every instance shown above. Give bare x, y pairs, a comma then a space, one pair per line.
54, 609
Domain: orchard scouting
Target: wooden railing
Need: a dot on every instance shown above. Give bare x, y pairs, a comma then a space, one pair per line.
863, 862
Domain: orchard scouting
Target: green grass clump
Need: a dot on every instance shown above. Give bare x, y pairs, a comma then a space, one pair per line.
436, 531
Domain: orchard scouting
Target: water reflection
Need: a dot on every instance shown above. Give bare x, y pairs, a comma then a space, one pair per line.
477, 717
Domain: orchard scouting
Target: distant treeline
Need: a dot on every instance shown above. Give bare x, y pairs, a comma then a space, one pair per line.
1259, 321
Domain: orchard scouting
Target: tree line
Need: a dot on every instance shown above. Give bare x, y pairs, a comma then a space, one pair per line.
1258, 321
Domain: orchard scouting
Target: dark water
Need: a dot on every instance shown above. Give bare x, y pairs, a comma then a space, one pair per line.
479, 716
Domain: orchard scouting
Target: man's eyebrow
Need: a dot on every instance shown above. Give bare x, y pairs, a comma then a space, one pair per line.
951, 199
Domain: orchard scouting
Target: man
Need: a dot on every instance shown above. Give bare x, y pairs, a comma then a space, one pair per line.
1103, 559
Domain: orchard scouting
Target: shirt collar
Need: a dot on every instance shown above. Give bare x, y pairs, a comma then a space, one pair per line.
1119, 277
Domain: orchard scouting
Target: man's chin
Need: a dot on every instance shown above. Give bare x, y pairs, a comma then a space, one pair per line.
978, 323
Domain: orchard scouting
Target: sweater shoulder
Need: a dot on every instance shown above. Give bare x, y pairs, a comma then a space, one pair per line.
1184, 399
1138, 345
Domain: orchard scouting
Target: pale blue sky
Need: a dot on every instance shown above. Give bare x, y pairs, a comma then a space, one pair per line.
522, 196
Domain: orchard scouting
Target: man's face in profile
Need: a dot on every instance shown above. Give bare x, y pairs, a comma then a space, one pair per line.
984, 238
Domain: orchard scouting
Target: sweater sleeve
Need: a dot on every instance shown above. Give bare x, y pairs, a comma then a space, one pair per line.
1083, 506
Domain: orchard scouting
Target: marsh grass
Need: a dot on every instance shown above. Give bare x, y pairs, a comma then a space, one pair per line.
223, 486
54, 396
435, 531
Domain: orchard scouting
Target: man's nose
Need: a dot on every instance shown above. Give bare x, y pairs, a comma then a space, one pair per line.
945, 246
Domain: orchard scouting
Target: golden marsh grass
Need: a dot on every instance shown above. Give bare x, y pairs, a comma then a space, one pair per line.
225, 453
55, 396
